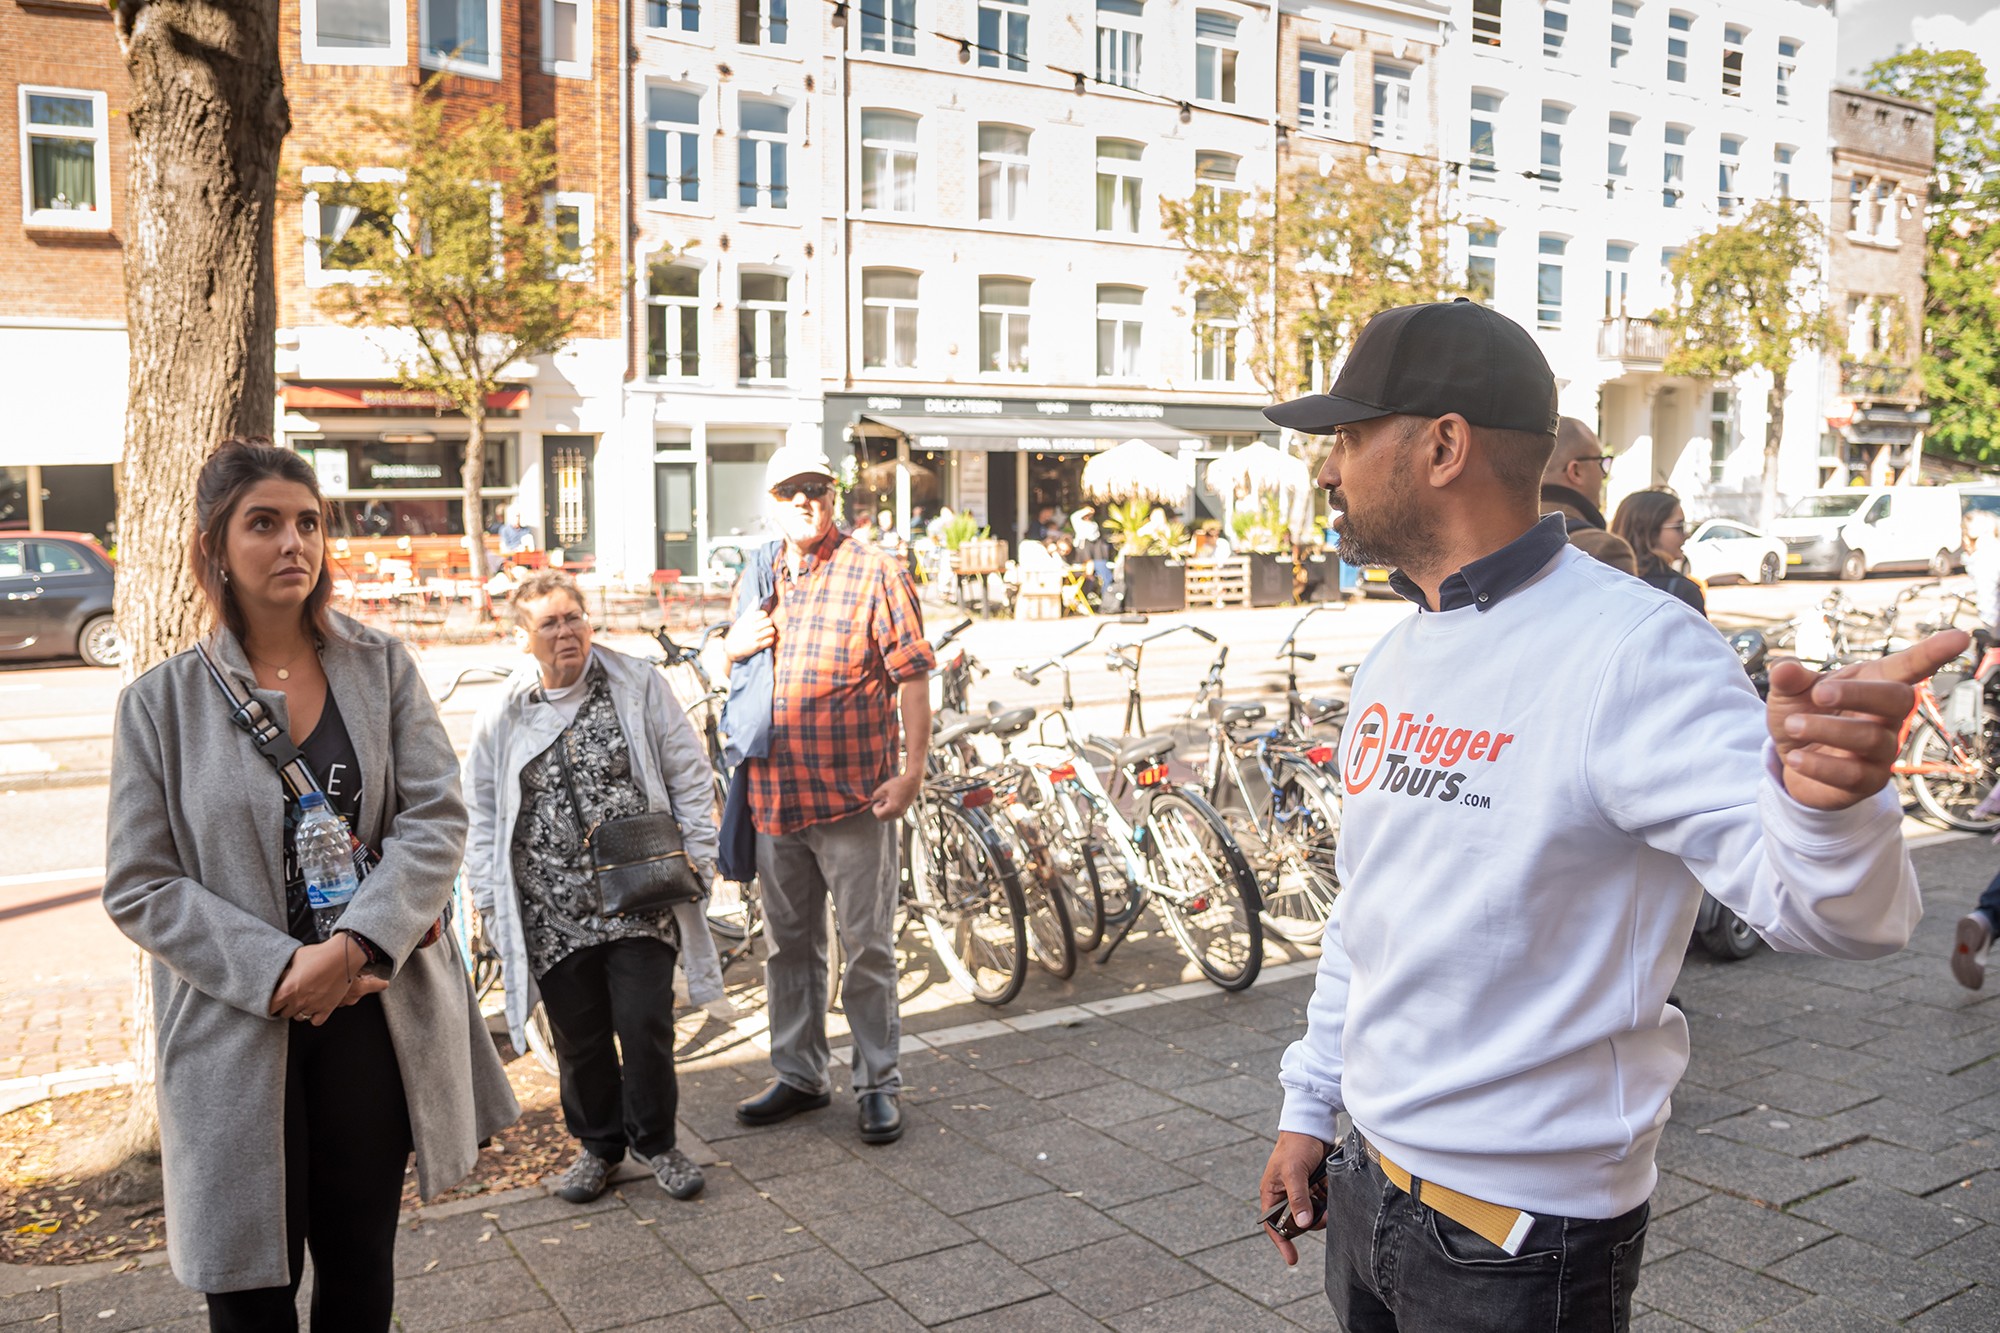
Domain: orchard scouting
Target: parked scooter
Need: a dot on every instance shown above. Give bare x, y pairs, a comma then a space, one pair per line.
1727, 936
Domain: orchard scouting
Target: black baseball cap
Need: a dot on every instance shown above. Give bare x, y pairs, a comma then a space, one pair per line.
1430, 360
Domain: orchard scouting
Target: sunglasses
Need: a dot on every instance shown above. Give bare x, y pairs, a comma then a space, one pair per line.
812, 490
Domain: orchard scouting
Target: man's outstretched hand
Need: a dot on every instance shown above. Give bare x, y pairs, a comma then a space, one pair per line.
1836, 731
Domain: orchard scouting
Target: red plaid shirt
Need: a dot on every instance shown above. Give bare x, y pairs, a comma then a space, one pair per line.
849, 633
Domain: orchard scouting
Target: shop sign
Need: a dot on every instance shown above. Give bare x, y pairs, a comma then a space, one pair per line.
330, 465
405, 472
1046, 407
972, 485
356, 397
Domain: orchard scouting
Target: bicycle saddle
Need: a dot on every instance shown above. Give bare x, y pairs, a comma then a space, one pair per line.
954, 727
1235, 714
1320, 708
1144, 750
1010, 723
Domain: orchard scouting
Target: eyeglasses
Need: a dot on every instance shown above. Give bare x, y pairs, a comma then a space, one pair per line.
572, 624
1673, 527
812, 490
1602, 460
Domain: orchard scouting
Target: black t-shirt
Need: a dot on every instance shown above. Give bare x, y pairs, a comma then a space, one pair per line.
329, 753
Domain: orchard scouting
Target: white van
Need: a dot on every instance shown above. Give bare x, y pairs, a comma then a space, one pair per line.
1852, 532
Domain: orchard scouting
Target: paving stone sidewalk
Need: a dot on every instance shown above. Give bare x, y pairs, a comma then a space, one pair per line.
1829, 1167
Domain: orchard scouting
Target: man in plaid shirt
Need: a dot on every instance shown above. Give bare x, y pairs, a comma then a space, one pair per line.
848, 656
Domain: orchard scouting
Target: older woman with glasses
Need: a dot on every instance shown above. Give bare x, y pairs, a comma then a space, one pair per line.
1655, 526
582, 736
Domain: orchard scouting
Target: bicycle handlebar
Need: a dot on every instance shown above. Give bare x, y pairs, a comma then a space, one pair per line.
1285, 649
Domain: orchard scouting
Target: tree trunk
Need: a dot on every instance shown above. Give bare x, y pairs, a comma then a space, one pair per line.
208, 118
1774, 435
475, 481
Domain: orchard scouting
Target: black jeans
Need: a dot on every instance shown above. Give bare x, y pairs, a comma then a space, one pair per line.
347, 1143
1989, 901
1395, 1266
623, 988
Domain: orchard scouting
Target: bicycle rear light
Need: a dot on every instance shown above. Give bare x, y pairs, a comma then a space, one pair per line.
1319, 754
1063, 773
975, 797
1152, 776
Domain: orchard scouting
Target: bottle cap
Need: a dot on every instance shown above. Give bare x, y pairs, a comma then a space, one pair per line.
312, 800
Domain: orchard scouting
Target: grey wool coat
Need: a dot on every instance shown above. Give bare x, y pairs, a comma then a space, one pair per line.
195, 877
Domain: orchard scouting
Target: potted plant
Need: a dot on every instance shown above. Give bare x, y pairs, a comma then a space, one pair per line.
1155, 577
1262, 539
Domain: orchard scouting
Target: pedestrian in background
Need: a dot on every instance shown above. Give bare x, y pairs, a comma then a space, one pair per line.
1523, 861
1654, 525
582, 736
295, 1073
847, 660
1573, 486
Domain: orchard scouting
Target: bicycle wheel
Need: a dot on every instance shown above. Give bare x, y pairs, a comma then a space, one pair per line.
1946, 792
1093, 879
969, 901
1206, 893
541, 1041
1305, 834
1051, 937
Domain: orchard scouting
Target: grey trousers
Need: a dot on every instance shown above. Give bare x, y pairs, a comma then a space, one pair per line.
856, 860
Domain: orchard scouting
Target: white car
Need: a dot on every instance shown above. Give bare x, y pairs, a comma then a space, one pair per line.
1723, 548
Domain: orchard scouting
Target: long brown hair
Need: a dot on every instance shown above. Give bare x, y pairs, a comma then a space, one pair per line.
235, 466
1639, 519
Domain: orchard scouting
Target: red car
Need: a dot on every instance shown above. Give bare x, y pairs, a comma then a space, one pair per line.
55, 598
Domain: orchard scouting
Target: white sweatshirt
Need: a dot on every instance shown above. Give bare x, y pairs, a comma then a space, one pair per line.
1536, 794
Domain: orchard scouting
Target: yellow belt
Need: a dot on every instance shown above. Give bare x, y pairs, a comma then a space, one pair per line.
1506, 1228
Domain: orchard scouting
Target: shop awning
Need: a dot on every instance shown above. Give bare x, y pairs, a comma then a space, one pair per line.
1055, 435
352, 396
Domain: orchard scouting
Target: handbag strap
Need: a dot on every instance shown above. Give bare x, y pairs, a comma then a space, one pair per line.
569, 784
272, 741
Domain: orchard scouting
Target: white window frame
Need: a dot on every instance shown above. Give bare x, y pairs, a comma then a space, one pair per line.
1478, 166
1618, 278
765, 315
1396, 81
1329, 110
585, 205
1729, 175
1555, 119
1735, 41
656, 300
1618, 149
672, 9
1787, 70
1215, 338
1486, 22
1624, 18
1861, 212
579, 67
1008, 314
1006, 16
1122, 37
891, 310
1128, 334
1555, 28
1723, 415
1013, 176
395, 53
1783, 158
98, 136
452, 64
765, 24
890, 150
1550, 315
751, 139
674, 130
1483, 243
309, 218
1226, 193
1673, 166
1680, 34
1888, 212
1128, 190
1217, 53
894, 29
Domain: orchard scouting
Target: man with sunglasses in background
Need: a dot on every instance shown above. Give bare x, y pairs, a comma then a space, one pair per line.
825, 790
1573, 486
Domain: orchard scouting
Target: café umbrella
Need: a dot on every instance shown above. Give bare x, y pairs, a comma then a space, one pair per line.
1135, 470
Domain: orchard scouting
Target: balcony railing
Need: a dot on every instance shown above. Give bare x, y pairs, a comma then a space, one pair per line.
1892, 383
1637, 341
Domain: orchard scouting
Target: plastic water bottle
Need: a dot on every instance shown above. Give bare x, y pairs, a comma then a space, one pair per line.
325, 860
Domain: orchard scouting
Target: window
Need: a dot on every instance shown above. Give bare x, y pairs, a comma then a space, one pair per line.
1320, 103
1622, 14
566, 38
1788, 65
1482, 263
1120, 332
673, 144
352, 32
1392, 125
1555, 28
1215, 328
1214, 56
1733, 38
1486, 22
1215, 187
341, 233
1673, 166
572, 217
1549, 283
762, 22
459, 35
1617, 278
1669, 256
888, 162
1003, 27
1885, 211
1118, 42
1860, 221
1482, 161
888, 319
673, 321
1721, 431
762, 178
1119, 186
889, 25
1618, 152
670, 14
760, 325
1003, 325
1781, 170
66, 152
1728, 167
1679, 26
1003, 173
1553, 119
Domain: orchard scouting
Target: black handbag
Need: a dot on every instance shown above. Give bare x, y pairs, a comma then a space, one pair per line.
637, 862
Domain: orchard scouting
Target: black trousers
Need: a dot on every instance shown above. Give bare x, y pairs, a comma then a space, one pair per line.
347, 1144
622, 989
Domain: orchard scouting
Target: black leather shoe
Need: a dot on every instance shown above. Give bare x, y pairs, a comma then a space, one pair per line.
780, 1101
881, 1117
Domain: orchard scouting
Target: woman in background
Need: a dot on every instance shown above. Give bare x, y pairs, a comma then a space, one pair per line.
1655, 526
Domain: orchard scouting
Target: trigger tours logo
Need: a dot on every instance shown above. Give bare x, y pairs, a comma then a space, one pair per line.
1420, 758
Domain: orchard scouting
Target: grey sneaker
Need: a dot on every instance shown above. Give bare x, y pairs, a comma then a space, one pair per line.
1969, 949
677, 1175
586, 1178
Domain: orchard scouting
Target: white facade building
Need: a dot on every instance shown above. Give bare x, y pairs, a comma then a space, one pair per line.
1591, 140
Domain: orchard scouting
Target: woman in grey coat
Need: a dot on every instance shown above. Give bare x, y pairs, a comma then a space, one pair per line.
295, 1073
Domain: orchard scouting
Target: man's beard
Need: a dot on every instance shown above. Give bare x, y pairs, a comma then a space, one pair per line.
1396, 532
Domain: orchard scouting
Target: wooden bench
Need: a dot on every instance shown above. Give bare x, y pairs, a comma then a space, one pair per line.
1219, 583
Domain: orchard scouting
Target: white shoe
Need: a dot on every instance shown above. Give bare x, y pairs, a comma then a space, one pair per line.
1969, 949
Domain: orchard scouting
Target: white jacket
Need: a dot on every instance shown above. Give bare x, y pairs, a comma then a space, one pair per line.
669, 765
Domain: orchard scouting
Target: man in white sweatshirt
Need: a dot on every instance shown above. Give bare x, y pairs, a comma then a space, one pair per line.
1543, 769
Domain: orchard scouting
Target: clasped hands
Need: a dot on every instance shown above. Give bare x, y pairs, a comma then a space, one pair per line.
323, 977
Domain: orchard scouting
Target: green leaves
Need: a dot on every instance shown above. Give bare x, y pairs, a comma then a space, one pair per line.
1747, 295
